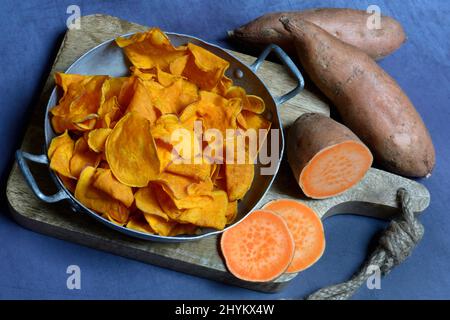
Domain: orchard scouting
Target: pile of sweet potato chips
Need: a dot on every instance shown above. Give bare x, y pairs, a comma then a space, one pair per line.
115, 152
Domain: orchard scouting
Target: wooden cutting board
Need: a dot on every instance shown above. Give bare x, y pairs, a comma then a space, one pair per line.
374, 196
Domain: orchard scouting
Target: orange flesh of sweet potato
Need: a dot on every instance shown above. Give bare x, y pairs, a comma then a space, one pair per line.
368, 100
335, 169
258, 249
325, 156
307, 230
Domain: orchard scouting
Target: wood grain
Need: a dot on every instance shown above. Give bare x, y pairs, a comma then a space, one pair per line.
374, 196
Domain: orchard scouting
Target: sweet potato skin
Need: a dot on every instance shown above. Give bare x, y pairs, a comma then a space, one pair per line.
369, 101
348, 25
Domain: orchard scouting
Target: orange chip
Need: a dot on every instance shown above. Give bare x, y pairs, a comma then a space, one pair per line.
183, 228
232, 210
146, 201
99, 201
179, 187
137, 222
60, 152
239, 178
160, 225
249, 102
105, 181
82, 157
215, 112
150, 49
141, 102
131, 151
204, 68
211, 213
80, 101
109, 112
96, 139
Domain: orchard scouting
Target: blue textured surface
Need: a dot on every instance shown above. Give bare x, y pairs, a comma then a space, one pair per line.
34, 266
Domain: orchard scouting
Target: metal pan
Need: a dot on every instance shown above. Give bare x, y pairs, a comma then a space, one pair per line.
108, 59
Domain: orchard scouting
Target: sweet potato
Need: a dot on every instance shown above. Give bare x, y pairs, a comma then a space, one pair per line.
368, 100
258, 249
306, 229
326, 157
348, 25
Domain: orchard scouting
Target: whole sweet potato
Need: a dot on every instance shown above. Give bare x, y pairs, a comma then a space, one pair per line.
369, 101
348, 25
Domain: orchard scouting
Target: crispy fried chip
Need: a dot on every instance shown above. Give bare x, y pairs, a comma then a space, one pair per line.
79, 103
204, 68
214, 111
150, 49
239, 178
249, 102
141, 102
99, 201
131, 151
160, 225
146, 201
137, 222
60, 152
211, 214
82, 157
96, 139
105, 181
232, 210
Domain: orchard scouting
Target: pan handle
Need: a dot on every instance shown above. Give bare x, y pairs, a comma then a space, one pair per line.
289, 64
21, 157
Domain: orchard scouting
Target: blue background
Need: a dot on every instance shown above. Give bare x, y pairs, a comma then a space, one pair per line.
34, 266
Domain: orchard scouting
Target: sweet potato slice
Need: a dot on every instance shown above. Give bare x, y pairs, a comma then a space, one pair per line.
326, 157
306, 229
258, 249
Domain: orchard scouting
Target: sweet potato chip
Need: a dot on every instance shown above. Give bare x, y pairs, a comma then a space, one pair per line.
232, 210
96, 139
60, 152
239, 178
183, 228
141, 102
179, 187
82, 157
99, 201
160, 225
108, 113
249, 102
212, 212
150, 49
80, 101
105, 181
137, 222
131, 151
146, 201
214, 111
177, 66
204, 68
